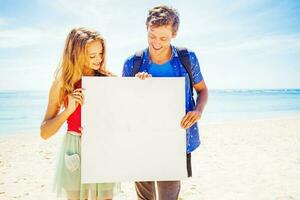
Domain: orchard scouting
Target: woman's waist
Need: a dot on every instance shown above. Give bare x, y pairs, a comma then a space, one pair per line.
73, 133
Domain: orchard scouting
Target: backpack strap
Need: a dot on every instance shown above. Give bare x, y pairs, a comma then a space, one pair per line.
184, 58
137, 62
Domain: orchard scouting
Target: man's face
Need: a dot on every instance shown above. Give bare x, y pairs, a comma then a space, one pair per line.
159, 38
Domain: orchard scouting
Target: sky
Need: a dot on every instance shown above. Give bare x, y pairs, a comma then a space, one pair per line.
240, 44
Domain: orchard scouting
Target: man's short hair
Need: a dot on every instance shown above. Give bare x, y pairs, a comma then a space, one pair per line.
163, 15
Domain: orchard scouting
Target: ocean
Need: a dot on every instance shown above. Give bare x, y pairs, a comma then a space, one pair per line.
23, 111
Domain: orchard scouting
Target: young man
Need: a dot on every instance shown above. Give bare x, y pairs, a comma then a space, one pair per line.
161, 59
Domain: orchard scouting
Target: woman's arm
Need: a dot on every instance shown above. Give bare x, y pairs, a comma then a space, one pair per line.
53, 120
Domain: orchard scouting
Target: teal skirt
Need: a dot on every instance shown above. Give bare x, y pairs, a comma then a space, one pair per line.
67, 181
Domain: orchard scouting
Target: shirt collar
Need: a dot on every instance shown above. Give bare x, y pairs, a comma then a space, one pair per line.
174, 52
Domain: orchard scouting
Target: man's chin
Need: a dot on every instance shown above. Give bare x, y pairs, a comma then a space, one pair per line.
156, 51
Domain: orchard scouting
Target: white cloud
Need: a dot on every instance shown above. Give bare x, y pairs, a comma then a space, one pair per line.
37, 78
228, 37
19, 37
29, 36
3, 21
91, 13
264, 44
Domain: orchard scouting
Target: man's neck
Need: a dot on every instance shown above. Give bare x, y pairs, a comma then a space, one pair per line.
161, 58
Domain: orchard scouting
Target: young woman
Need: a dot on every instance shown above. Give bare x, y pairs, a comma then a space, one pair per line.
84, 55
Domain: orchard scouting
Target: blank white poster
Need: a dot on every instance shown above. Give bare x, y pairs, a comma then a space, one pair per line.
131, 129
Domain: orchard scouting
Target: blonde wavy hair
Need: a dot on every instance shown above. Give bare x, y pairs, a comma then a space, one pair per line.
75, 61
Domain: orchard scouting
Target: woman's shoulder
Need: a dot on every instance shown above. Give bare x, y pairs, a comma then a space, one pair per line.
55, 92
55, 86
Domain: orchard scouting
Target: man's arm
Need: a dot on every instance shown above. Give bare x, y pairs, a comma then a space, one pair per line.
127, 67
202, 95
193, 116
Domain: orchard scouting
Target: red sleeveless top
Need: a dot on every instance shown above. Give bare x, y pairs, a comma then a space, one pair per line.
74, 120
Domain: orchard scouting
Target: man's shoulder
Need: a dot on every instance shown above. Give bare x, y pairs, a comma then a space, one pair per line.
128, 64
190, 51
130, 59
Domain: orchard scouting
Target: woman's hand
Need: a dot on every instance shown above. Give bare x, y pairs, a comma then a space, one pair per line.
74, 99
54, 119
143, 75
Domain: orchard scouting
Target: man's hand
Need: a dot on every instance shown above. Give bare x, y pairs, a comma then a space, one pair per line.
189, 119
143, 75
193, 116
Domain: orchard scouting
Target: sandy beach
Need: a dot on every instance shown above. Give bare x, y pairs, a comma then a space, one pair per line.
237, 160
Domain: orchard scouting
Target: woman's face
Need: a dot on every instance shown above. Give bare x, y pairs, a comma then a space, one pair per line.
95, 54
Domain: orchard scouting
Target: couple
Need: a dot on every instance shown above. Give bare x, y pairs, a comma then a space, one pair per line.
84, 55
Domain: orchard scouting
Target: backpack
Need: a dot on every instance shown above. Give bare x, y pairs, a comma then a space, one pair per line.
183, 57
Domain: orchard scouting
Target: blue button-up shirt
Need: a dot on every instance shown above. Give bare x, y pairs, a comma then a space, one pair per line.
192, 139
